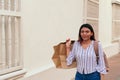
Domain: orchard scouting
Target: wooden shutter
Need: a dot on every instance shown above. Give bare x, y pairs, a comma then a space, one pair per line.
116, 21
91, 14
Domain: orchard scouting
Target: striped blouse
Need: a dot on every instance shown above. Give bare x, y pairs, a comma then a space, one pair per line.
86, 58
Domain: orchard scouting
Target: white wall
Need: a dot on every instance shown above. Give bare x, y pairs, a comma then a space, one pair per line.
105, 22
105, 28
47, 22
44, 24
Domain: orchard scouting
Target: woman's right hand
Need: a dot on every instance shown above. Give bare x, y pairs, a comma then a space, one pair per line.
68, 43
68, 46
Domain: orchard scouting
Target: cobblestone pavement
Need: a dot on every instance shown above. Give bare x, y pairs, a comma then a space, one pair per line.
114, 63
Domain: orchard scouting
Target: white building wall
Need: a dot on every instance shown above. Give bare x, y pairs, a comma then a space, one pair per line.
105, 22
47, 22
105, 28
44, 24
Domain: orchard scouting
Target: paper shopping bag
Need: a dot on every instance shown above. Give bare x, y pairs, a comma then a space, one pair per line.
60, 55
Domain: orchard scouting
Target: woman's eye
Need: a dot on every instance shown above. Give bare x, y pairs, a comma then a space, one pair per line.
82, 31
87, 31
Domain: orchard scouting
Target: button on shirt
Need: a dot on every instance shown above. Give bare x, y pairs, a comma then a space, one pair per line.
86, 58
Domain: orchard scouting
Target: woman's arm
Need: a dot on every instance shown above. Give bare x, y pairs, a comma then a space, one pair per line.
70, 52
101, 62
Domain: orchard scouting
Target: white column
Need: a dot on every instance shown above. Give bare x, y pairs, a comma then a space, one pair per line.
9, 43
5, 4
9, 5
3, 43
17, 5
6, 41
17, 40
12, 5
2, 4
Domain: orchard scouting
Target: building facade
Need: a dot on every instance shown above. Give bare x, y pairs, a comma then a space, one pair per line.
30, 28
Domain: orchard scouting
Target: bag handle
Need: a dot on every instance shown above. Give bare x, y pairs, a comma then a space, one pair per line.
96, 50
97, 54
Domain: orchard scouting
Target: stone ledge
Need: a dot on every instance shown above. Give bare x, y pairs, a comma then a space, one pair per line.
13, 75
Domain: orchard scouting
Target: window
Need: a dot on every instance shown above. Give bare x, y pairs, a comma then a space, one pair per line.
91, 14
115, 21
10, 19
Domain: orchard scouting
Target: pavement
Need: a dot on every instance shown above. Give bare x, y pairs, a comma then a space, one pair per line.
114, 72
68, 74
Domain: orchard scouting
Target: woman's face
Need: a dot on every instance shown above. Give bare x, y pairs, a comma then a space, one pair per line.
86, 33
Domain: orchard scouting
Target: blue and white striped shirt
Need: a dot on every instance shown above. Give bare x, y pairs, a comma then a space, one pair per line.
86, 58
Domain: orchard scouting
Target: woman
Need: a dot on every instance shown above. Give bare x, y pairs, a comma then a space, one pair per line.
83, 52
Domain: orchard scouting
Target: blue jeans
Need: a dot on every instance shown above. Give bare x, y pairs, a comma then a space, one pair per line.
91, 76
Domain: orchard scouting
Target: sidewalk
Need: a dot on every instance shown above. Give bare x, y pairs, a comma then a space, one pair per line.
68, 74
114, 63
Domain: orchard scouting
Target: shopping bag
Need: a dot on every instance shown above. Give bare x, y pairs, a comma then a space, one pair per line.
60, 55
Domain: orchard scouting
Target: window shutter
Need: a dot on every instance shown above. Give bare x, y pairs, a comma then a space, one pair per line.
91, 14
116, 21
10, 50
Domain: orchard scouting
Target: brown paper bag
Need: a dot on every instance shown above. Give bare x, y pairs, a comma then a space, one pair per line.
60, 55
